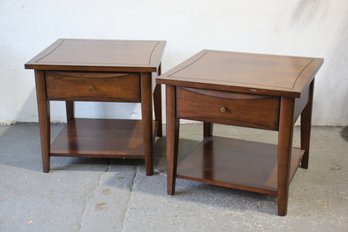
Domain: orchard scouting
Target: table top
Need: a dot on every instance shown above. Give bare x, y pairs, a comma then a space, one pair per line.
100, 55
244, 72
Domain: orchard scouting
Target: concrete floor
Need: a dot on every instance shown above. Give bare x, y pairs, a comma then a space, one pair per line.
116, 195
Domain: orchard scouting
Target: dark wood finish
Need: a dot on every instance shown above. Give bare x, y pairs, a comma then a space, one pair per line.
244, 73
284, 152
306, 121
236, 164
100, 55
146, 112
70, 110
99, 70
252, 90
157, 98
101, 138
300, 103
43, 106
172, 131
249, 110
207, 129
124, 87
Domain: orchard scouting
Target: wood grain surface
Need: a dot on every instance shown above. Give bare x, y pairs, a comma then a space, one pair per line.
244, 72
100, 55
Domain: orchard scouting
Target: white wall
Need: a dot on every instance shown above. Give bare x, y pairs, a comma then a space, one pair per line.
298, 27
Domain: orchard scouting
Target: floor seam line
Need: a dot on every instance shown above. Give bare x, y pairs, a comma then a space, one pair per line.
130, 197
92, 195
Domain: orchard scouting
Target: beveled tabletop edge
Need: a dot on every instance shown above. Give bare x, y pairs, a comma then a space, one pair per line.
157, 53
304, 78
154, 61
32, 62
235, 88
308, 74
187, 62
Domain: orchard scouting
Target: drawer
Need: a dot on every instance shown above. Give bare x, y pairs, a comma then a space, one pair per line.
88, 86
256, 111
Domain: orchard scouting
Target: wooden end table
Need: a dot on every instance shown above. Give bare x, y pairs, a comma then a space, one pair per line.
250, 90
105, 71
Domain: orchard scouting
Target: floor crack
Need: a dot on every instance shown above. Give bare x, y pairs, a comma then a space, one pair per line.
92, 193
125, 213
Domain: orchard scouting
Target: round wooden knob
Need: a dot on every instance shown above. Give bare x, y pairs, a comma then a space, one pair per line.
91, 87
223, 109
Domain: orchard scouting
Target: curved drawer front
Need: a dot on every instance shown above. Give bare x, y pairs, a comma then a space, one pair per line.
93, 86
248, 110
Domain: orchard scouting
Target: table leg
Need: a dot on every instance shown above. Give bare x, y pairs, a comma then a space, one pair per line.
70, 112
43, 106
146, 112
207, 129
172, 138
158, 109
208, 161
157, 96
284, 152
306, 122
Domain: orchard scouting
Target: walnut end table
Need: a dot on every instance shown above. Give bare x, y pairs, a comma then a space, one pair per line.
250, 90
99, 70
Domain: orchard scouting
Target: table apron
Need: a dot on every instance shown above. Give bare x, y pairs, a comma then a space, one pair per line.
89, 86
247, 110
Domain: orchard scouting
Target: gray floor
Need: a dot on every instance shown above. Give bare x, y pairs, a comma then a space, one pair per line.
116, 195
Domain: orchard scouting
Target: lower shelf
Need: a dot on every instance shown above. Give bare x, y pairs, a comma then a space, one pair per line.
238, 164
105, 138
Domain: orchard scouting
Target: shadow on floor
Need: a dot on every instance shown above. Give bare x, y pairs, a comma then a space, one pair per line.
20, 148
344, 133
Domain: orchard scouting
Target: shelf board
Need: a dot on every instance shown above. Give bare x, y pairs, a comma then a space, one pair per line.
238, 164
103, 138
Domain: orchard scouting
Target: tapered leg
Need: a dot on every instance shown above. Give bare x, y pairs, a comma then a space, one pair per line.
284, 152
43, 106
146, 112
207, 129
306, 122
172, 138
158, 109
70, 113
157, 96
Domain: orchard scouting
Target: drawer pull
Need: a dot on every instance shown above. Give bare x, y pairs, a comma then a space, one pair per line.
223, 109
91, 88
